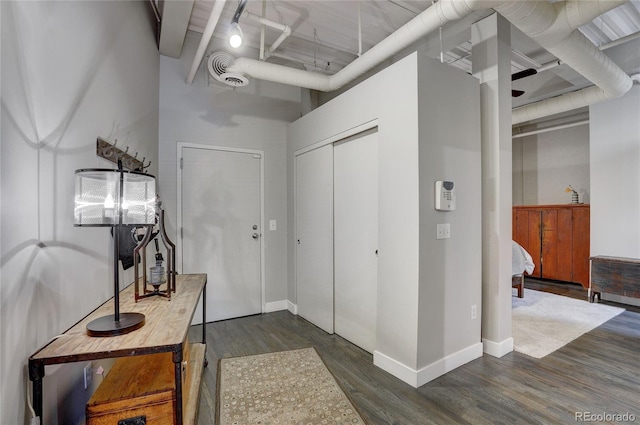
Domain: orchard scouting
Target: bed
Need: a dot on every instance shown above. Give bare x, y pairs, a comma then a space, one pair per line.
521, 263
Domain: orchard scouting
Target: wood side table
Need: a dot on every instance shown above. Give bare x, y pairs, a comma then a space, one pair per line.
165, 330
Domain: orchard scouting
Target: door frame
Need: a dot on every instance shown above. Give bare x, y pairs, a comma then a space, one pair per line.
187, 145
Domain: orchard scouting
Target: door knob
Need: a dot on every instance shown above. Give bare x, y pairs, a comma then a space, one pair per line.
255, 227
255, 236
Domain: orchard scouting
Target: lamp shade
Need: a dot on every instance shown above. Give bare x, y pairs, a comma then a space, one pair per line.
106, 197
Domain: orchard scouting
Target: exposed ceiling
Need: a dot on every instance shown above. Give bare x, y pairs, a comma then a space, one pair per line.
327, 35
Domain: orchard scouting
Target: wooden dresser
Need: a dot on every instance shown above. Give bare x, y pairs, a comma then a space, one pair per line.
557, 237
165, 334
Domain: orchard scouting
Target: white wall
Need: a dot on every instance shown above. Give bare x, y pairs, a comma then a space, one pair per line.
545, 164
400, 263
615, 176
71, 71
450, 269
251, 117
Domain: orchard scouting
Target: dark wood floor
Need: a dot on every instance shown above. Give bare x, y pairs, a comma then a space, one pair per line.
598, 373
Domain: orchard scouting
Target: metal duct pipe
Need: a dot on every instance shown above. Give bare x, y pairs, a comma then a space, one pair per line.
572, 48
537, 19
206, 37
418, 27
578, 13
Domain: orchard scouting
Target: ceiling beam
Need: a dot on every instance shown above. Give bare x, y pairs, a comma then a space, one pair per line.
175, 16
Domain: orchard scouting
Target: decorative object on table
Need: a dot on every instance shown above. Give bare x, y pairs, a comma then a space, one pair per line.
114, 198
291, 387
543, 322
157, 276
574, 194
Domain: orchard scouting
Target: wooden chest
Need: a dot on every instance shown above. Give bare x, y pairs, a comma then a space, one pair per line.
138, 386
614, 275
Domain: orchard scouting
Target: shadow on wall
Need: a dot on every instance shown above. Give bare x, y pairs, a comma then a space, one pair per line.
224, 104
56, 89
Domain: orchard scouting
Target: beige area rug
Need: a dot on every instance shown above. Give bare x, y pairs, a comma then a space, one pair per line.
286, 388
543, 322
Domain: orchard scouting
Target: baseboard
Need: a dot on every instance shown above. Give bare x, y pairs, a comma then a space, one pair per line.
417, 378
276, 306
293, 308
498, 349
397, 369
620, 299
449, 363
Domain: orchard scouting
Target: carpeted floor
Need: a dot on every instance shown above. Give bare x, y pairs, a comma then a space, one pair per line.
543, 322
287, 387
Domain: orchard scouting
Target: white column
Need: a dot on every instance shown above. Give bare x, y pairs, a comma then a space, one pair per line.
491, 39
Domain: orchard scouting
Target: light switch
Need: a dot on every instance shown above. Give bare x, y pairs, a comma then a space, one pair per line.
443, 231
272, 225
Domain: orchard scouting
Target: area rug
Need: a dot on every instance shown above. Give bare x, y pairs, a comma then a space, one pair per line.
286, 388
543, 322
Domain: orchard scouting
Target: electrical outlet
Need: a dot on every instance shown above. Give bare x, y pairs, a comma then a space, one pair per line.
474, 312
272, 225
88, 375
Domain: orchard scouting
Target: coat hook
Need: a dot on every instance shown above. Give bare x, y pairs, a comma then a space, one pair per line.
146, 166
135, 156
126, 150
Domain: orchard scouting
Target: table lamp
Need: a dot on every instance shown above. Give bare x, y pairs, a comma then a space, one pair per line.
112, 198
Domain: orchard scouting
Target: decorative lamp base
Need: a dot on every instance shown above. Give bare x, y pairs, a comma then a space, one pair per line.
108, 326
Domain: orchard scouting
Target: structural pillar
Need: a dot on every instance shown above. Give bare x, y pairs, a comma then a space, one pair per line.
491, 39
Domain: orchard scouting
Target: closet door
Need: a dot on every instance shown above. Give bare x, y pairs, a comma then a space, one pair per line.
314, 236
356, 239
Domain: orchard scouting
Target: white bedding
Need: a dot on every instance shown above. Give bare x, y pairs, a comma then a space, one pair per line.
521, 260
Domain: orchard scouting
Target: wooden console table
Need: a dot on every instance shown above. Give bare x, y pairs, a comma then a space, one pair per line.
166, 330
614, 275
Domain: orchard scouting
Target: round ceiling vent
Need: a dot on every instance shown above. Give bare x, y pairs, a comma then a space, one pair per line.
217, 65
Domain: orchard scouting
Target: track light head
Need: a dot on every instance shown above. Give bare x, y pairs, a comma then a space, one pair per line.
235, 35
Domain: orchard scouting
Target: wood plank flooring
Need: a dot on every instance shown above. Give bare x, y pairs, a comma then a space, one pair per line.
598, 373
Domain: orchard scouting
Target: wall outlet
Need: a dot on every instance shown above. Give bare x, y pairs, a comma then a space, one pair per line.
88, 375
272, 225
474, 312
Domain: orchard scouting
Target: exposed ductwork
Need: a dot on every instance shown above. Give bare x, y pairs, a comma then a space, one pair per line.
552, 25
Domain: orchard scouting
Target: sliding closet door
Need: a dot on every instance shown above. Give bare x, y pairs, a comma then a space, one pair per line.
314, 236
356, 238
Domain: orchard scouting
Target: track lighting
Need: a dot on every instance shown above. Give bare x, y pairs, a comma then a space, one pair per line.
235, 35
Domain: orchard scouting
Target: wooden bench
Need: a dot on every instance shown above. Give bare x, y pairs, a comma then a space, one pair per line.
614, 275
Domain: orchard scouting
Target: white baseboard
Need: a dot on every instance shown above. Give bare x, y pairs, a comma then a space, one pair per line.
397, 369
449, 363
275, 306
293, 308
498, 349
416, 378
620, 299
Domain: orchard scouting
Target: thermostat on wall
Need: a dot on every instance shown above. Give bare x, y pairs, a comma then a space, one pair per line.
445, 196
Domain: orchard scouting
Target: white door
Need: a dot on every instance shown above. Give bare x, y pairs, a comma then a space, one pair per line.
220, 193
356, 239
314, 236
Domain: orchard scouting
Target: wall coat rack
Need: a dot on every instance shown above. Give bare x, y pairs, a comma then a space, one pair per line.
111, 152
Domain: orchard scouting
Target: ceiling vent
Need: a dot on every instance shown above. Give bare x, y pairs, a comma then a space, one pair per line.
217, 65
